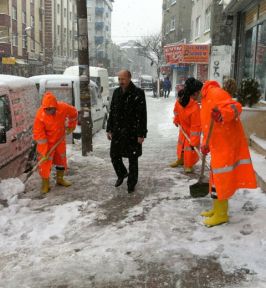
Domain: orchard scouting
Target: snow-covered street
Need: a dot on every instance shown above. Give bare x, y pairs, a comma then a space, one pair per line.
95, 235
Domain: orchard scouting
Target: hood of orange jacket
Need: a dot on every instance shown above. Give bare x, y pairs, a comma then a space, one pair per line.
49, 100
208, 85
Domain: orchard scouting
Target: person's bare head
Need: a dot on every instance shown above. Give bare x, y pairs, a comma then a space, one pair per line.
124, 78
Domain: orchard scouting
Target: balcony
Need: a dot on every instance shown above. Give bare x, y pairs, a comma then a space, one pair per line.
99, 11
99, 40
99, 25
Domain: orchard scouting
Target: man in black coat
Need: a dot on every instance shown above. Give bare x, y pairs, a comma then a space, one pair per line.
127, 128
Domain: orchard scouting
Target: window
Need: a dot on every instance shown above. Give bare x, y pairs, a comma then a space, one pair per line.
23, 17
5, 113
32, 21
197, 27
15, 40
58, 8
207, 24
70, 15
58, 29
65, 12
24, 39
32, 44
93, 96
172, 25
14, 13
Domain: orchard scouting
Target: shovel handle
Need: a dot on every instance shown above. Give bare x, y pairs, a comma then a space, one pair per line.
204, 156
195, 148
41, 161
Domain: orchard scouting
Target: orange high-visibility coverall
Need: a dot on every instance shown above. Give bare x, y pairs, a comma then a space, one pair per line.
230, 159
189, 119
49, 129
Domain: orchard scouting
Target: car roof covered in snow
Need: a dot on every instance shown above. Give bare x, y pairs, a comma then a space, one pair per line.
74, 70
146, 77
38, 78
59, 77
15, 82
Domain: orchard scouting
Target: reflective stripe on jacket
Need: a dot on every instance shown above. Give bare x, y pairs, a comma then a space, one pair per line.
230, 159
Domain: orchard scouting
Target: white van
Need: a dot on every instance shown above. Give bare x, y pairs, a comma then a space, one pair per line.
19, 102
99, 76
67, 89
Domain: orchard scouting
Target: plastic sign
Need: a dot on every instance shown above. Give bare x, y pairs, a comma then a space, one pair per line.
187, 53
9, 60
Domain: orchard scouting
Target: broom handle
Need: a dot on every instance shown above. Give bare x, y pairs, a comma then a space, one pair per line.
195, 148
207, 143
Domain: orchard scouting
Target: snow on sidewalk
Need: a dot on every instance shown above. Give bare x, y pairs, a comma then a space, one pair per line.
155, 240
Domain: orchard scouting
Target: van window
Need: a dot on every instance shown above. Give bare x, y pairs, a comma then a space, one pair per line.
63, 94
93, 96
5, 113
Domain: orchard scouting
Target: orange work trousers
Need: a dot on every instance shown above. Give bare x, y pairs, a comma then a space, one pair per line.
57, 158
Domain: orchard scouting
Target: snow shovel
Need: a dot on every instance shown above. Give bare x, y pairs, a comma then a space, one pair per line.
201, 189
42, 160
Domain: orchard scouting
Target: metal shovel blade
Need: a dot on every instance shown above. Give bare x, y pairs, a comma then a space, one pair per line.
199, 189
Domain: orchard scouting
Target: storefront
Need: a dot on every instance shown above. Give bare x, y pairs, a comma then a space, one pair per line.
250, 59
187, 60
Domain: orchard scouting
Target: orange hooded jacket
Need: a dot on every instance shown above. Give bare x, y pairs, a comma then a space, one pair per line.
48, 129
189, 119
230, 159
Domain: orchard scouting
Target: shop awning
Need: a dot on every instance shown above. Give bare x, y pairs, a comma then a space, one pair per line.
236, 5
21, 62
187, 53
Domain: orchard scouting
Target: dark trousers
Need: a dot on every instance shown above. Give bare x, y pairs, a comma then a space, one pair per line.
121, 170
166, 93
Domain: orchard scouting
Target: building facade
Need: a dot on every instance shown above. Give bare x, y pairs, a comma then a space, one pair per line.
99, 29
176, 28
249, 40
61, 38
22, 37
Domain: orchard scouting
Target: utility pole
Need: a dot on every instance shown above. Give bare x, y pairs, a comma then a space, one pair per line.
84, 74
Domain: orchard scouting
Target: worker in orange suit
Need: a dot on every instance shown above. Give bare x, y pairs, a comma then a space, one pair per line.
187, 115
231, 166
52, 122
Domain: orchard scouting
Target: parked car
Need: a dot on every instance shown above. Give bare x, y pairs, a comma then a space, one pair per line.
19, 102
67, 89
99, 76
136, 82
146, 82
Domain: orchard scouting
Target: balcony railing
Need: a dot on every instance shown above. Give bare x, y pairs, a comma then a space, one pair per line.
99, 40
99, 25
99, 11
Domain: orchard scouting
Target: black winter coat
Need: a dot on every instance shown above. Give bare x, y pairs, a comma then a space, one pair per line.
127, 121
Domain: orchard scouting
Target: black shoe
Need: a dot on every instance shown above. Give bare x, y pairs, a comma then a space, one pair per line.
130, 189
120, 180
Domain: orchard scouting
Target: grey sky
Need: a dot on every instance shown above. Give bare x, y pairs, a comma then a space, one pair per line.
135, 18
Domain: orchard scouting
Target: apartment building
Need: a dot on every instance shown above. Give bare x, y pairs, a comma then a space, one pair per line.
21, 37
99, 30
176, 28
61, 45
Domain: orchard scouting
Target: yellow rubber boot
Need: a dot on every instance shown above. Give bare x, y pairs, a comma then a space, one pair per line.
45, 185
178, 162
209, 213
60, 179
220, 215
189, 169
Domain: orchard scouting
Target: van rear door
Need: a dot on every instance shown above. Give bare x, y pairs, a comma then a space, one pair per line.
8, 150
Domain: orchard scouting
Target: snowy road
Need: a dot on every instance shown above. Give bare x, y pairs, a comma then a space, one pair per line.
94, 235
